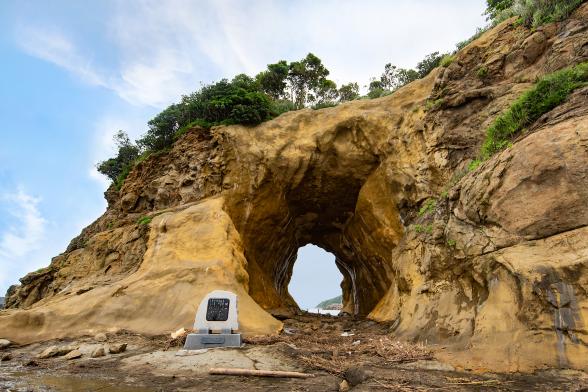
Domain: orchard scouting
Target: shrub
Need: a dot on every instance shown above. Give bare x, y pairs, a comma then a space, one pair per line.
477, 34
532, 13
120, 179
323, 105
423, 228
428, 207
482, 72
446, 60
144, 220
549, 92
535, 13
282, 106
434, 104
474, 164
118, 167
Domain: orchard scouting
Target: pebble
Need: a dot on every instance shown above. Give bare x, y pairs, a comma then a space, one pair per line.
98, 352
344, 386
6, 357
73, 354
356, 375
4, 343
117, 348
101, 337
55, 351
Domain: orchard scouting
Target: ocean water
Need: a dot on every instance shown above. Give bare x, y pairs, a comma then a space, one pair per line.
323, 311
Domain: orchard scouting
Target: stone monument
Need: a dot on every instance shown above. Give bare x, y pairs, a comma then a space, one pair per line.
216, 322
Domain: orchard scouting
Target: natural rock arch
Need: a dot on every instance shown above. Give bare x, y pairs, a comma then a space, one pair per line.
492, 260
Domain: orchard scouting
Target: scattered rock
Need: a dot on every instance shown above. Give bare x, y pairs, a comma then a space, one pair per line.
4, 343
56, 351
178, 333
6, 357
73, 354
84, 290
344, 386
117, 348
31, 362
356, 375
98, 352
49, 352
101, 337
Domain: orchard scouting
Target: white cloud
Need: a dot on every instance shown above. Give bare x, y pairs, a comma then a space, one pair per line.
164, 49
29, 229
22, 238
56, 48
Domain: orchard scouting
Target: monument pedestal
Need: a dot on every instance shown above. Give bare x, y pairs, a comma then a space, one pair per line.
196, 341
216, 320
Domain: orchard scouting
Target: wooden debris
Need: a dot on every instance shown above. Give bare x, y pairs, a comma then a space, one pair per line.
258, 373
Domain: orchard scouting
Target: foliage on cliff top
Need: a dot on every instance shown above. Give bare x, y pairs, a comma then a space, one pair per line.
548, 92
395, 77
532, 13
243, 100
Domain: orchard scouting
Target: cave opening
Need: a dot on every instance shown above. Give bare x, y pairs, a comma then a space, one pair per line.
315, 279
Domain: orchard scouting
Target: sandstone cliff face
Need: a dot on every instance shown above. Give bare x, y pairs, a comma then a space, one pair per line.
492, 263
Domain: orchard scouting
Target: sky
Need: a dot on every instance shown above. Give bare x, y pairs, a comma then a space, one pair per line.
72, 73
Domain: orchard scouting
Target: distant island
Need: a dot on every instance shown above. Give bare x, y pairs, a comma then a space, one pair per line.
327, 304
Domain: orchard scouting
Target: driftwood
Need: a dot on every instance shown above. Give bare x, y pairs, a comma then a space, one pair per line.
258, 373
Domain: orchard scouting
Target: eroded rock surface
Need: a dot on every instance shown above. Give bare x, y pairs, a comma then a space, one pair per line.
491, 263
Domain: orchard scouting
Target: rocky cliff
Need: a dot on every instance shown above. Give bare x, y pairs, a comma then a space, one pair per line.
491, 263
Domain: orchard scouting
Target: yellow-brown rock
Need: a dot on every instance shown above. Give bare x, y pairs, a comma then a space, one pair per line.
492, 263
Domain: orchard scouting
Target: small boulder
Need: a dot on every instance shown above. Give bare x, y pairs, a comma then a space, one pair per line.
4, 343
344, 386
56, 351
73, 354
98, 352
49, 352
101, 337
6, 357
356, 375
117, 348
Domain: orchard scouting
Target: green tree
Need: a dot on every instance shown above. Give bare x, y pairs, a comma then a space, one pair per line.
273, 80
430, 62
127, 152
162, 129
376, 88
348, 92
325, 93
305, 78
393, 77
496, 7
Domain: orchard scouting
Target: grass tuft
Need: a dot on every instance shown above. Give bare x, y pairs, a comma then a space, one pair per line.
549, 92
428, 207
144, 220
446, 60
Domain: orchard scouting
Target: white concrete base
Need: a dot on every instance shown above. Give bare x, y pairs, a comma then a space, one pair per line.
197, 341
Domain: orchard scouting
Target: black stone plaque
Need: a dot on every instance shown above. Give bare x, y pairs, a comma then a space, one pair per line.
217, 309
